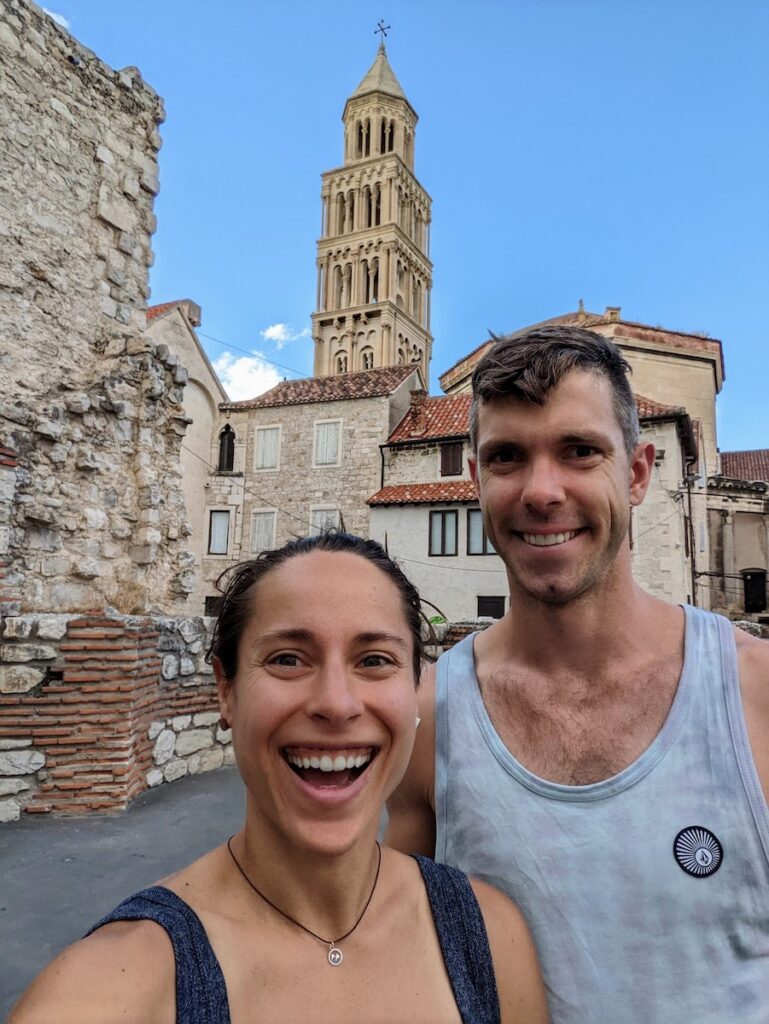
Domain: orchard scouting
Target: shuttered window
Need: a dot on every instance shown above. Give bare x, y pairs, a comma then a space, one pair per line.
327, 443
218, 533
267, 447
323, 519
451, 459
262, 531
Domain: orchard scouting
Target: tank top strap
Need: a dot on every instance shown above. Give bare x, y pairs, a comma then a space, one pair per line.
201, 994
463, 940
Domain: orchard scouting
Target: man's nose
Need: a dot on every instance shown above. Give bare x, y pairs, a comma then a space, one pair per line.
543, 485
335, 694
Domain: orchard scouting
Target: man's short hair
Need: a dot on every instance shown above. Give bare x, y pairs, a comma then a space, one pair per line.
530, 365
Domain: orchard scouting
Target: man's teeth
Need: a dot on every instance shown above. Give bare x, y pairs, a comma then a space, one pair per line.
545, 540
327, 763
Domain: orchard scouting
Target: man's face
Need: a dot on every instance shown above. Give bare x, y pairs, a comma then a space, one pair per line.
556, 486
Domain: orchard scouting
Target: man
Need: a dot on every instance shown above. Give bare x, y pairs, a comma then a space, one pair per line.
599, 754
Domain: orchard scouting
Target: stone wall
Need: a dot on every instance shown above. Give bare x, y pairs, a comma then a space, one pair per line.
96, 708
95, 514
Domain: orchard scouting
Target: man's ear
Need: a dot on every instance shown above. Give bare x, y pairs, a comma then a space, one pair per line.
641, 464
472, 465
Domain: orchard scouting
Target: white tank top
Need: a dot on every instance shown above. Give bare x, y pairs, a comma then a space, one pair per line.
647, 893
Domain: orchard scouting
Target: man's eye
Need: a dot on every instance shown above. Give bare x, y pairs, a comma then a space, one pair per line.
583, 451
502, 456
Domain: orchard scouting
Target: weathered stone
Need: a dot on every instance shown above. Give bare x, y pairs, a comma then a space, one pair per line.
189, 629
164, 746
52, 627
206, 761
154, 777
49, 428
223, 735
229, 754
10, 786
155, 729
15, 744
206, 718
192, 741
27, 652
170, 667
175, 770
86, 568
180, 722
18, 626
186, 665
10, 810
20, 762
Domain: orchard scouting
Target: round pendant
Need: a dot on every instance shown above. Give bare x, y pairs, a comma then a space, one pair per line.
335, 956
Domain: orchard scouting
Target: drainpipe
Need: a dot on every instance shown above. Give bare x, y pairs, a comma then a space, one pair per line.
692, 553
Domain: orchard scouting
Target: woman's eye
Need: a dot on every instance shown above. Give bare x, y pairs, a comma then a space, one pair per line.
375, 661
285, 660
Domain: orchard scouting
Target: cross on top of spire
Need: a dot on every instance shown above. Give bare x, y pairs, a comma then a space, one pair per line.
382, 30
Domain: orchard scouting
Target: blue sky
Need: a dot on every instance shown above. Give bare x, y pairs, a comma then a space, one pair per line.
608, 150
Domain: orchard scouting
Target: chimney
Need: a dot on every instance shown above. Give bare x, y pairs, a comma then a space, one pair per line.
192, 311
418, 411
612, 314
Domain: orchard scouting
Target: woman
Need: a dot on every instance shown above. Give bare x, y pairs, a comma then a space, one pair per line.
302, 916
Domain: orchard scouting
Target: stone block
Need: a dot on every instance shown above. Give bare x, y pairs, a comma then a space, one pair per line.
86, 568
175, 770
154, 777
163, 750
52, 627
48, 428
19, 678
229, 754
62, 110
189, 629
206, 718
206, 761
143, 555
19, 627
181, 722
223, 735
170, 667
15, 744
20, 762
10, 810
55, 565
8, 787
27, 652
192, 741
104, 155
155, 729
186, 665
115, 210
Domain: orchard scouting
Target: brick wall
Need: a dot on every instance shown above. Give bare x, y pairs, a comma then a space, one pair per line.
83, 701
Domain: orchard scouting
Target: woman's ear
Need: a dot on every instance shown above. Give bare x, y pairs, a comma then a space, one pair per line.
224, 692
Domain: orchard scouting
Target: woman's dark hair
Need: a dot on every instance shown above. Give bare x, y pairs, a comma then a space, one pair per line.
236, 585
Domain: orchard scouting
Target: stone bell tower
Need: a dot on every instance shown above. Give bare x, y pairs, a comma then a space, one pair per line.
374, 274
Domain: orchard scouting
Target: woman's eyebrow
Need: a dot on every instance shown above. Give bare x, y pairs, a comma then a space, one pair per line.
298, 635
377, 637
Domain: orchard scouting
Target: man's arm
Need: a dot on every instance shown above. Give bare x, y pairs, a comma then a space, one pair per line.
753, 655
411, 808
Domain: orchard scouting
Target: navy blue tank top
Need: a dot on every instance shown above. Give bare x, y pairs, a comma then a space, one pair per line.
201, 994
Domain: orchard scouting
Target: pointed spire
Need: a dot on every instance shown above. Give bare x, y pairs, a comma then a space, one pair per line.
380, 77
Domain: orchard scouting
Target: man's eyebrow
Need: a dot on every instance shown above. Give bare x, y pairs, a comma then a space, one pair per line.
586, 437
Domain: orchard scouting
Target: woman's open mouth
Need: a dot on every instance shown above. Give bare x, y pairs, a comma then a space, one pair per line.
329, 768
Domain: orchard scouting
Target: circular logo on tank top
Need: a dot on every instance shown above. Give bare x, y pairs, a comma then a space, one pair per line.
697, 851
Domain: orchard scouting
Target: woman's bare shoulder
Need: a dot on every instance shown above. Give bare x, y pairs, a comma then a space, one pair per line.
123, 972
516, 966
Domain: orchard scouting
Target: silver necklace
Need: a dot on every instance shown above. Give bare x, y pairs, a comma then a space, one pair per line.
335, 955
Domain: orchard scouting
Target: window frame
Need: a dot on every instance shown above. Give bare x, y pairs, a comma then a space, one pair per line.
444, 514
449, 451
486, 545
490, 597
316, 530
327, 465
262, 427
220, 510
262, 512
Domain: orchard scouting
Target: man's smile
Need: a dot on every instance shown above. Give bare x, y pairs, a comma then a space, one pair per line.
546, 540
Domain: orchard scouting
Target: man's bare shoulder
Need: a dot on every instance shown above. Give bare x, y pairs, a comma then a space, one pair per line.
124, 972
753, 659
411, 808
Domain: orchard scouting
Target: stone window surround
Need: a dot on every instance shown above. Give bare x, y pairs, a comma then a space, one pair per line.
327, 465
265, 427
266, 510
231, 510
315, 529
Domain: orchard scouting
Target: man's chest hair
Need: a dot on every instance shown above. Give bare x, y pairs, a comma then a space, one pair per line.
578, 731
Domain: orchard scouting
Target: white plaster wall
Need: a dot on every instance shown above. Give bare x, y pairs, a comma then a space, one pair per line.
453, 584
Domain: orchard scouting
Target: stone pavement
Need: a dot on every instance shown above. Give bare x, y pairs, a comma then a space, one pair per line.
60, 875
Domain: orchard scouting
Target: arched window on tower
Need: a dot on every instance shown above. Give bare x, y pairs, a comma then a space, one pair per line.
377, 201
367, 206
367, 137
350, 211
390, 141
341, 362
374, 273
226, 450
340, 213
367, 359
359, 140
363, 283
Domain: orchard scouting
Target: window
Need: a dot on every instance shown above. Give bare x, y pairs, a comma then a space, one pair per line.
477, 541
491, 607
754, 583
443, 533
226, 450
323, 519
327, 443
267, 451
451, 459
262, 531
218, 532
212, 605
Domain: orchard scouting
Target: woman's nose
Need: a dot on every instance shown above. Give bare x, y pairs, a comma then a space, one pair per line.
335, 695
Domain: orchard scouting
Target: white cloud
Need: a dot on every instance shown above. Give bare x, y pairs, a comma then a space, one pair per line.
58, 18
245, 377
282, 333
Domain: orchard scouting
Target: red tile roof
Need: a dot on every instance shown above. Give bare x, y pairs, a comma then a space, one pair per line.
445, 416
153, 312
424, 494
621, 329
363, 384
749, 465
448, 416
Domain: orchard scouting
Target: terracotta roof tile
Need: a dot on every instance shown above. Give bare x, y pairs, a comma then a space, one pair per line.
153, 312
446, 416
749, 465
424, 494
362, 384
648, 409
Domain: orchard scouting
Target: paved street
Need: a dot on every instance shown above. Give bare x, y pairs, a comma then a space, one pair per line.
60, 875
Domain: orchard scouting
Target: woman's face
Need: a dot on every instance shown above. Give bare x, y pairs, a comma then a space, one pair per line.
323, 705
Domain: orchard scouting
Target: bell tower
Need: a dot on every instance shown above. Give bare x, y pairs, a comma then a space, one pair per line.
374, 272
